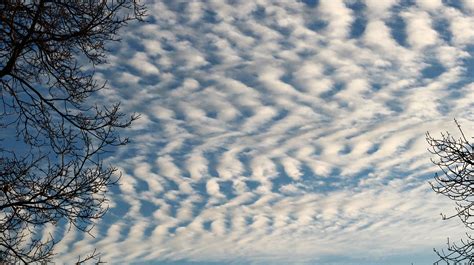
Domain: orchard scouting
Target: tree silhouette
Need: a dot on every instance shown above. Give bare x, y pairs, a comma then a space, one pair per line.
455, 157
54, 135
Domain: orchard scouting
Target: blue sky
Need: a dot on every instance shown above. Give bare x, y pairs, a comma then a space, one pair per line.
284, 132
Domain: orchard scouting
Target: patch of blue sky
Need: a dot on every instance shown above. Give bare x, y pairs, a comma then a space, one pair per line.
311, 3
226, 188
213, 157
317, 25
245, 157
373, 148
252, 184
328, 95
120, 209
199, 204
441, 26
433, 70
360, 21
282, 179
398, 29
147, 208
210, 16
454, 3
468, 63
395, 105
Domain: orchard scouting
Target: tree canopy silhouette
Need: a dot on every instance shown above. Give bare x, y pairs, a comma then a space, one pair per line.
54, 134
455, 158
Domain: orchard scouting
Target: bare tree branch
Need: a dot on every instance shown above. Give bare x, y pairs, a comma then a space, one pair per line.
455, 158
51, 166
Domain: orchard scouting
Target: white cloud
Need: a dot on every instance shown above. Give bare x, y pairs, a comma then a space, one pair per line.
212, 187
380, 9
339, 17
461, 28
140, 61
292, 167
468, 4
196, 165
419, 30
430, 4
259, 128
377, 34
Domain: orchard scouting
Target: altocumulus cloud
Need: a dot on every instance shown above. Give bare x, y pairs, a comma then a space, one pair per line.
284, 132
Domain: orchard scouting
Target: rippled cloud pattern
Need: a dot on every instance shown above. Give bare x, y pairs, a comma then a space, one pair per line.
284, 132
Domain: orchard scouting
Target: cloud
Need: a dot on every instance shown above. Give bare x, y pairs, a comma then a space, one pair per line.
339, 18
419, 31
468, 4
430, 4
140, 62
460, 27
377, 34
271, 122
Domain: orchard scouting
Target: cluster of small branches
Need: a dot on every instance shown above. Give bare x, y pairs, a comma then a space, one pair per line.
455, 158
54, 137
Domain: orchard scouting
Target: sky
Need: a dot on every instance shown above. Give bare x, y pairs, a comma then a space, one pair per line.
283, 132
